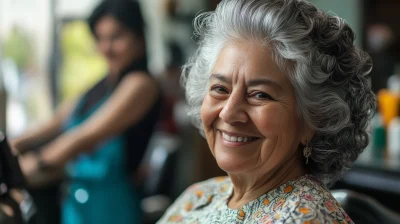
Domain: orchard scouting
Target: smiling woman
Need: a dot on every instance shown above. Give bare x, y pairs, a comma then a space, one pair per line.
251, 99
283, 98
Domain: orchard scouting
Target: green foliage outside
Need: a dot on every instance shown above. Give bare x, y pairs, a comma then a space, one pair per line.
82, 65
17, 47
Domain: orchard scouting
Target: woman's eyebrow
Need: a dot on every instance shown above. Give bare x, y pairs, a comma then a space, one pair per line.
250, 83
263, 81
221, 78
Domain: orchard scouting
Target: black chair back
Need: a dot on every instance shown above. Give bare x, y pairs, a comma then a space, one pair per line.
364, 209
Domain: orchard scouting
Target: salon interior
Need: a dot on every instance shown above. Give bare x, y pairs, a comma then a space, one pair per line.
49, 56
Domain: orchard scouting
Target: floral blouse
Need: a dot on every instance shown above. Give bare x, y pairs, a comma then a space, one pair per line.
304, 200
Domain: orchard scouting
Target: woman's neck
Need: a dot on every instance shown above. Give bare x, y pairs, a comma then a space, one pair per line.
112, 78
250, 186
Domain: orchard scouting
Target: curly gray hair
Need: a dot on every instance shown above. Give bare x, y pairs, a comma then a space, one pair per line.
316, 50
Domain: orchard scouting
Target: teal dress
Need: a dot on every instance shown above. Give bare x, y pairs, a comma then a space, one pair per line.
99, 186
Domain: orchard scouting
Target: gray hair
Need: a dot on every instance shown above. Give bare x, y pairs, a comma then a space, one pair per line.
328, 73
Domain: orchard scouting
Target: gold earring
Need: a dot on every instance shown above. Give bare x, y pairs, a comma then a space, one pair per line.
307, 152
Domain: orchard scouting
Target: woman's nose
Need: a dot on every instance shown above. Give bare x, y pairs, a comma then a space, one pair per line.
105, 46
234, 110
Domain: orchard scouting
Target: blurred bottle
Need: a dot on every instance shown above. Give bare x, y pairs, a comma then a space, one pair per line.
393, 83
393, 137
388, 102
378, 137
389, 98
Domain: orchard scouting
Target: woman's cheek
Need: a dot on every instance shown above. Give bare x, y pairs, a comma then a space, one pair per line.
209, 115
270, 119
209, 112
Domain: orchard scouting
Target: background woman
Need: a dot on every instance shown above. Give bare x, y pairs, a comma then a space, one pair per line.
103, 135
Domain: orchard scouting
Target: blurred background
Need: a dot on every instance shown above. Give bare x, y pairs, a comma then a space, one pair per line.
48, 56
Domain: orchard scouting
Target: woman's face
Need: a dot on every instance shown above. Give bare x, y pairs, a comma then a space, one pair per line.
249, 111
118, 44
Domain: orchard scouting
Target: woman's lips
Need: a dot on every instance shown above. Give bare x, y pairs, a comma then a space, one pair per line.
231, 139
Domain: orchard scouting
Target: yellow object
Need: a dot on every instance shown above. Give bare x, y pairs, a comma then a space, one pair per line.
388, 105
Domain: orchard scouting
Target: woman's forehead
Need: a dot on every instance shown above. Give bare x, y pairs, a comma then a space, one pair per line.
249, 60
107, 24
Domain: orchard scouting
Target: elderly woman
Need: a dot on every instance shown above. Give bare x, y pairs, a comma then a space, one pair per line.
283, 98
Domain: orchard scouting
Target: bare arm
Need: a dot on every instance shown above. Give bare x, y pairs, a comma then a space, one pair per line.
128, 104
39, 136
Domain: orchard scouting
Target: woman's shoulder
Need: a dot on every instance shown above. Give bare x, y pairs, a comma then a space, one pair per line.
139, 81
315, 202
138, 75
301, 200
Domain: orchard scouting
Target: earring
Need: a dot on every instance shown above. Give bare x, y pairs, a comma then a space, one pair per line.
307, 152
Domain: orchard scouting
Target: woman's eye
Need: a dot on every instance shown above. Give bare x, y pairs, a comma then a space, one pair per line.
219, 89
116, 36
261, 96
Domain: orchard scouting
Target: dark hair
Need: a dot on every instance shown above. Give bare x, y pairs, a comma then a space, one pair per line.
127, 12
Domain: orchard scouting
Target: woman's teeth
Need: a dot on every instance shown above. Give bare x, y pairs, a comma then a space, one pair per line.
237, 138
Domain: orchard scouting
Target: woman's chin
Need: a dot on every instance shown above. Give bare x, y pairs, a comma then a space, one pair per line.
232, 163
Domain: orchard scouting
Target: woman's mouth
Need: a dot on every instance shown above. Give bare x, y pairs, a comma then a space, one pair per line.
233, 138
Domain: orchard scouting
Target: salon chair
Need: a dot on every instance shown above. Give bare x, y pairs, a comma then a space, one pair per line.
364, 209
159, 165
